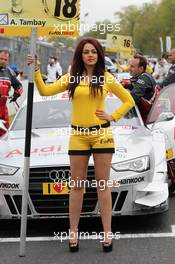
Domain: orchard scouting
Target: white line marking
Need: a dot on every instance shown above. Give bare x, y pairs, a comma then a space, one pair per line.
173, 228
119, 236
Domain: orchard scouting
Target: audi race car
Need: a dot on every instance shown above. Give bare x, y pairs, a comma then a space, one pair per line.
162, 117
138, 169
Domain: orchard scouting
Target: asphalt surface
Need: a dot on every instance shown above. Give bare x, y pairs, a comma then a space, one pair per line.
143, 240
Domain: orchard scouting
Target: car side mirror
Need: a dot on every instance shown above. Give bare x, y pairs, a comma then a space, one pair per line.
165, 116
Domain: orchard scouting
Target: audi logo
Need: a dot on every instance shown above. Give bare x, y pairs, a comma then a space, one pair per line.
60, 175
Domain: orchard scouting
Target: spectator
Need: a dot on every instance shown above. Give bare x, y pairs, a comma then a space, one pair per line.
54, 70
59, 68
171, 73
160, 71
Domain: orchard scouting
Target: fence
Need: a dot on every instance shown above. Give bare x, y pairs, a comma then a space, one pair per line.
19, 48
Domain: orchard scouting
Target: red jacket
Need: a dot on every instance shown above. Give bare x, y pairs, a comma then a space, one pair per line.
8, 79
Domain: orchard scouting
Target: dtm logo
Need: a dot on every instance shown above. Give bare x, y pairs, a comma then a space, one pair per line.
9, 185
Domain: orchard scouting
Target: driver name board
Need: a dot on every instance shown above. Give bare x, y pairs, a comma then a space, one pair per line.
53, 18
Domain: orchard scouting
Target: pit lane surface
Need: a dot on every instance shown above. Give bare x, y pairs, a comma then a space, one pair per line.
142, 240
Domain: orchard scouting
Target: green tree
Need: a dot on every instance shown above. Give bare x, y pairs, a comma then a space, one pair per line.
166, 12
147, 24
146, 31
128, 18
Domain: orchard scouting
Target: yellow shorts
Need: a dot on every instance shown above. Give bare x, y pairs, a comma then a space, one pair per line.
83, 142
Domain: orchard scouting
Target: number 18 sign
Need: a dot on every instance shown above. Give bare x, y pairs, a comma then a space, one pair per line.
53, 18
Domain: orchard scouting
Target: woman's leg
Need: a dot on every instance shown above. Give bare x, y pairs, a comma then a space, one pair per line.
78, 166
102, 163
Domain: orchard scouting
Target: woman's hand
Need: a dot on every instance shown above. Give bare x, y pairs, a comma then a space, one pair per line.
104, 116
31, 60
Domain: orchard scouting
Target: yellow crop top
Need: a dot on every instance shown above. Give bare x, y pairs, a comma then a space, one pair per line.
84, 105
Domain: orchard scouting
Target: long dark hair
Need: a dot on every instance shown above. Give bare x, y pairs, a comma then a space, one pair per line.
78, 67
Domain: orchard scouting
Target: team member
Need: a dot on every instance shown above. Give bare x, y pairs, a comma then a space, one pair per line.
88, 85
142, 85
7, 79
171, 73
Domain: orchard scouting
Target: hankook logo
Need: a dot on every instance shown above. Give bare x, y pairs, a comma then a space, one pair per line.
9, 185
133, 180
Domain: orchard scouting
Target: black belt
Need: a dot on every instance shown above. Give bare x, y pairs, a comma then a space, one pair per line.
92, 128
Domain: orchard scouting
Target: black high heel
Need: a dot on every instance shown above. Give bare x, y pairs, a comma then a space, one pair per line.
107, 246
74, 247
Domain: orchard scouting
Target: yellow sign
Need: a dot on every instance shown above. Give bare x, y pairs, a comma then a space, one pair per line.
118, 43
169, 154
58, 188
127, 55
53, 18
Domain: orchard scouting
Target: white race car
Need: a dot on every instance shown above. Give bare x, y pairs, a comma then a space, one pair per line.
139, 163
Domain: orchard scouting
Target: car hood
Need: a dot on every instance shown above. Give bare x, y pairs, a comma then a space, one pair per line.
48, 147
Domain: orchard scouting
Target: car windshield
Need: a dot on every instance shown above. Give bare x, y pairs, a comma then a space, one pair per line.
54, 114
164, 103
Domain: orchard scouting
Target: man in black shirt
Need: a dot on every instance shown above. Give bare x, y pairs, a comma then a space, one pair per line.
171, 73
142, 85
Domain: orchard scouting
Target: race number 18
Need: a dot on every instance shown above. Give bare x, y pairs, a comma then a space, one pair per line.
67, 7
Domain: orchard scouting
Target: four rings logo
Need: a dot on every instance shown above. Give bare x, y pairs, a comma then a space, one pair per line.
60, 175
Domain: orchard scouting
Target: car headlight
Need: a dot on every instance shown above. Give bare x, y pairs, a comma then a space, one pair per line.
7, 170
138, 165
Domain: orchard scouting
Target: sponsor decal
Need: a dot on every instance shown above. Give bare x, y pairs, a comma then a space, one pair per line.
121, 153
1, 30
107, 141
121, 150
140, 81
37, 150
58, 188
169, 153
131, 181
9, 186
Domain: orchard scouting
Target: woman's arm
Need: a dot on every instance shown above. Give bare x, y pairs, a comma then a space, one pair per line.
122, 94
47, 90
51, 89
